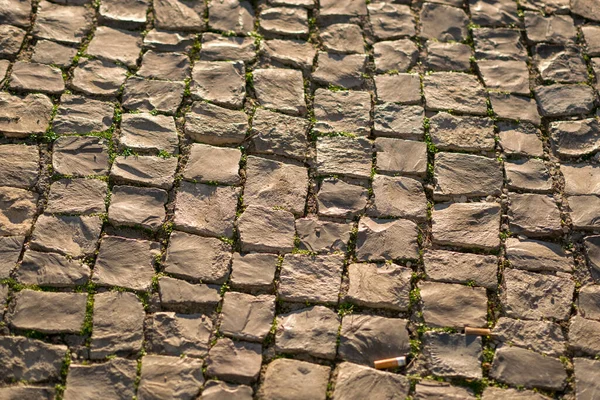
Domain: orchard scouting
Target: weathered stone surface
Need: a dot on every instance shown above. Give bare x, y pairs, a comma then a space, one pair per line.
279, 134
295, 53
453, 355
30, 360
395, 120
68, 24
399, 197
344, 156
520, 139
342, 38
231, 16
77, 196
454, 91
448, 56
496, 393
343, 111
310, 331
21, 116
127, 263
310, 278
168, 66
220, 82
337, 198
280, 89
411, 84
581, 179
547, 7
145, 170
118, 324
19, 165
137, 207
284, 21
116, 45
10, 251
80, 115
379, 286
205, 209
320, 236
11, 39
295, 380
16, 13
366, 338
164, 40
17, 209
212, 124
164, 377
398, 156
149, 133
398, 55
466, 175
584, 336
386, 239
494, 13
453, 267
592, 248
51, 269
563, 100
80, 156
347, 8
176, 334
356, 381
510, 76
530, 295
74, 236
180, 296
148, 95
534, 215
113, 379
452, 305
550, 29
128, 14
443, 22
216, 390
512, 365
185, 15
528, 174
517, 108
586, 8
27, 392
466, 225
584, 211
427, 389
534, 255
253, 271
222, 48
461, 133
4, 64
343, 70
36, 77
98, 77
247, 317
391, 21
498, 44
48, 312
575, 138
591, 33
560, 63
265, 229
234, 361
541, 336
195, 257
588, 302
272, 183
586, 381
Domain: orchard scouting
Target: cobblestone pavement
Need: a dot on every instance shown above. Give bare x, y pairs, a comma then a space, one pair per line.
235, 199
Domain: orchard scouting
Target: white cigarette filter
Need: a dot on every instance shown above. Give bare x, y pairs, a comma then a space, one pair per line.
390, 363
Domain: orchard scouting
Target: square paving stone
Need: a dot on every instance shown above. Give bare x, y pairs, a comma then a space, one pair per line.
310, 278
51, 269
294, 380
384, 286
560, 100
498, 44
247, 317
398, 156
311, 331
176, 334
79, 115
454, 91
48, 52
466, 175
586, 8
512, 365
462, 133
113, 379
337, 198
80, 156
10, 251
149, 133
586, 382
16, 13
397, 55
272, 183
198, 258
280, 89
145, 170
386, 239
181, 296
494, 13
534, 255
68, 24
127, 263
74, 236
147, 95
17, 209
237, 362
366, 338
231, 16
347, 156
216, 47
454, 267
575, 138
216, 125
322, 236
470, 225
97, 77
164, 377
253, 271
346, 8
11, 39
116, 45
397, 197
344, 70
453, 355
21, 116
515, 108
284, 21
386, 88
128, 14
584, 211
77, 196
391, 21
592, 249
342, 111
48, 312
591, 33
206, 209
28, 76
541, 336
522, 139
19, 165
560, 63
453, 305
581, 178
511, 76
220, 82
184, 15
118, 325
356, 381
448, 56
293, 53
534, 215
342, 38
427, 389
530, 295
215, 390
588, 303
528, 174
549, 29
279, 134
399, 121
584, 336
137, 207
44, 361
443, 23
265, 229
167, 66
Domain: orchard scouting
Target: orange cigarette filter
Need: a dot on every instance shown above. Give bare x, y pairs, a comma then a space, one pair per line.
390, 363
478, 331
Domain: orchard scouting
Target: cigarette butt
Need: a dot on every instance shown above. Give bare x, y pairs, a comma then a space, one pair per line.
478, 331
390, 363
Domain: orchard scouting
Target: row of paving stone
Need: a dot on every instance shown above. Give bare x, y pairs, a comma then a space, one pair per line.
215, 299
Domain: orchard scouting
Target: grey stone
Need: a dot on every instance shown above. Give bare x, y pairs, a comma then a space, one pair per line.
247, 317
586, 381
114, 379
386, 239
391, 21
520, 139
454, 91
181, 296
16, 13
466, 175
343, 111
80, 156
149, 133
343, 70
234, 361
398, 197
550, 29
19, 165
584, 211
51, 269
357, 381
513, 365
10, 251
295, 3
27, 393
295, 53
73, 236
68, 24
427, 389
206, 209
167, 66
145, 170
563, 100
399, 156
222, 48
178, 334
347, 8
294, 380
498, 44
448, 56
544, 337
592, 249
517, 108
511, 76
533, 255
116, 45
588, 302
461, 133
453, 355
165, 40
528, 174
398, 55
98, 77
184, 15
454, 267
279, 134
586, 8
591, 33
30, 360
212, 124
494, 13
253, 271
366, 338
78, 114
217, 390
584, 337
547, 7
560, 63
137, 207
342, 38
77, 196
21, 116
127, 263
337, 198
265, 229
220, 82
496, 393
17, 209
231, 16
575, 138
384, 286
128, 14
213, 164
467, 225
48, 312
311, 278
310, 331
284, 21
581, 179
386, 87
4, 64
344, 156
534, 215
148, 95
322, 236
164, 377
118, 325
453, 305
36, 77
529, 295
395, 120
443, 22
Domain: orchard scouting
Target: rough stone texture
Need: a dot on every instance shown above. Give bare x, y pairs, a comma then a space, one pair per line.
517, 108
314, 279
149, 133
185, 15
502, 44
80, 115
60, 23
466, 175
386, 239
454, 267
253, 271
116, 45
51, 269
19, 165
448, 56
528, 174
591, 34
16, 13
520, 139
494, 13
466, 225
453, 355
400, 121
278, 134
342, 38
379, 286
36, 77
399, 197
584, 211
180, 296
137, 207
265, 229
294, 53
575, 138
176, 334
30, 360
167, 66
164, 40
496, 393
170, 377
11, 39
347, 8
80, 156
247, 317
533, 255
221, 48
322, 236
77, 196
98, 77
73, 236
343, 70
234, 361
443, 22
510, 76
211, 124
454, 91
541, 336
452, 305
280, 89
27, 392
112, 379
534, 215
386, 88
588, 302
586, 382
337, 198
343, 111
560, 100
391, 21
216, 390
581, 179
560, 63
284, 21
355, 381
344, 156
17, 209
10, 251
592, 248
147, 95
398, 55
129, 14
398, 156
461, 133
295, 380
21, 116
584, 336
220, 82
586, 8
145, 170
427, 389
550, 29
231, 16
